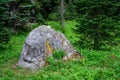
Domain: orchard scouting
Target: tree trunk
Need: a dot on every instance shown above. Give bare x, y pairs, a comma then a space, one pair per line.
32, 1
33, 11
70, 1
62, 12
96, 39
12, 6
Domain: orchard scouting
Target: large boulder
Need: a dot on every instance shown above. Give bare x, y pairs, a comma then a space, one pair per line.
40, 43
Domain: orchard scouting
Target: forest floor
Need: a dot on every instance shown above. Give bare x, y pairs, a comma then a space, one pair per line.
95, 65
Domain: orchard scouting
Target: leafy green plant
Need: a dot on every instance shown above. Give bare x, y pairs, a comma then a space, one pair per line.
56, 57
70, 27
58, 54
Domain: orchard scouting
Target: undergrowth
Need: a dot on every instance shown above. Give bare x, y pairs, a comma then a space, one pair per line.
95, 65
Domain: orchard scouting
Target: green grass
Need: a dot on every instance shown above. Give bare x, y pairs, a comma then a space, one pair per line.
95, 65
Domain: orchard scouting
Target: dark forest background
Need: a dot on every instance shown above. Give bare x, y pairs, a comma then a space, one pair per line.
98, 20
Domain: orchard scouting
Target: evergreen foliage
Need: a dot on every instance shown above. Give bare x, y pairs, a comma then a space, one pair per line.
99, 23
4, 19
15, 14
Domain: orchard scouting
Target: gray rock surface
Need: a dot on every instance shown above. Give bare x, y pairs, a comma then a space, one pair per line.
40, 43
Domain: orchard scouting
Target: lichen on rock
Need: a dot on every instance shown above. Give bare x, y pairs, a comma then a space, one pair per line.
41, 43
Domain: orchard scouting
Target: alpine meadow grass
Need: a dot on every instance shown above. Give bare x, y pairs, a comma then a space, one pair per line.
95, 65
